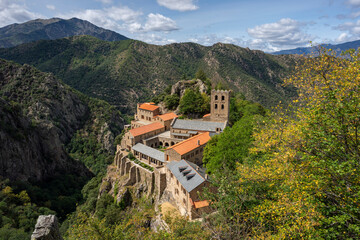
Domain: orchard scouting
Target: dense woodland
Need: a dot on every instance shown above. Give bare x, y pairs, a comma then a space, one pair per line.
288, 172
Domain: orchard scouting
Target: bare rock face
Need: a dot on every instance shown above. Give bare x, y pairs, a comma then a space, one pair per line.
38, 115
180, 87
46, 228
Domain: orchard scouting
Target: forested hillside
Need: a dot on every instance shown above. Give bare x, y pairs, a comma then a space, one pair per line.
295, 173
128, 71
54, 28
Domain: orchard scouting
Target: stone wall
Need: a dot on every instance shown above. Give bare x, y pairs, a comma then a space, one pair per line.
155, 181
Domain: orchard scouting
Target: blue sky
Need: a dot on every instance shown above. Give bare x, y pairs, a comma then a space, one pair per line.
267, 25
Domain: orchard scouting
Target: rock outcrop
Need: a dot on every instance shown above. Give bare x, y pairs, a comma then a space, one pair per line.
180, 87
46, 228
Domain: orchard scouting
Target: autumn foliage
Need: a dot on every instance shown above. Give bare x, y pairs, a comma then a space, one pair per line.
301, 178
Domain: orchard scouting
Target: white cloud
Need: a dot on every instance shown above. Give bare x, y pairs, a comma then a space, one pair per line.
158, 22
353, 3
283, 34
51, 7
158, 39
179, 5
343, 37
350, 31
123, 18
12, 11
114, 18
105, 1
211, 39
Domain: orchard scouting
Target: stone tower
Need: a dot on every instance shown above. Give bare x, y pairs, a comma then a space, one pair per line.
220, 105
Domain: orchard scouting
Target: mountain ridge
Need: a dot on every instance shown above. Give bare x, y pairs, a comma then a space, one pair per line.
312, 50
129, 71
50, 29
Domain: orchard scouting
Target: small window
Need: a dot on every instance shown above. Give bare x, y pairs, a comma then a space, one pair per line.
222, 106
184, 200
222, 98
216, 97
215, 106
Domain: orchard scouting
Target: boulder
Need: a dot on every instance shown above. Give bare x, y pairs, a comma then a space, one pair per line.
46, 228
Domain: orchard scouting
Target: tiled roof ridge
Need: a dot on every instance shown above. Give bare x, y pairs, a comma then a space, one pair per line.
187, 140
195, 170
157, 125
148, 106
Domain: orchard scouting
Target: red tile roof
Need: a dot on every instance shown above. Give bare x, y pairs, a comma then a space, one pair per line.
145, 129
200, 204
207, 115
168, 116
148, 106
191, 143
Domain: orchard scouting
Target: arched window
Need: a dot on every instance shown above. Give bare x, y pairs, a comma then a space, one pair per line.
216, 97
166, 144
215, 106
222, 106
222, 98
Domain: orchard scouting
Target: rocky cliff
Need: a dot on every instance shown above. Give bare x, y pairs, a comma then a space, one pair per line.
39, 116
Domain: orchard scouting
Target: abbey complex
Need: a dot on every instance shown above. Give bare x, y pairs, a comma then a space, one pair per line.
165, 153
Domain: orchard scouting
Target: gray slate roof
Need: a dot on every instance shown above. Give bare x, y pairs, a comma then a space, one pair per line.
181, 134
188, 184
149, 151
197, 125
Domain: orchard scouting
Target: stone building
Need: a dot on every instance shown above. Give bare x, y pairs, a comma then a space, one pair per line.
219, 106
176, 170
145, 114
184, 181
166, 119
149, 155
184, 129
190, 149
137, 135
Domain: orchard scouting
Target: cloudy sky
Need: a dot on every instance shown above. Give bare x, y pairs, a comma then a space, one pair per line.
268, 25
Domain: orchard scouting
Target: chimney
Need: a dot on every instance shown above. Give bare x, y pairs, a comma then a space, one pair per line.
198, 142
206, 177
197, 168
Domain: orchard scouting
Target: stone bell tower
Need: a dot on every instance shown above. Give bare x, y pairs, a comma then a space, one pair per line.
220, 105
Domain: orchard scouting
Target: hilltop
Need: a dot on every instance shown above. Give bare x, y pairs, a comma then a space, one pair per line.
54, 28
313, 50
130, 71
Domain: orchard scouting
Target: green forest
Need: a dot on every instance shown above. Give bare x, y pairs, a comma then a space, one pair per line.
291, 172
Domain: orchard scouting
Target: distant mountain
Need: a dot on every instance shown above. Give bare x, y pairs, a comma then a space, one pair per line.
308, 50
126, 72
54, 28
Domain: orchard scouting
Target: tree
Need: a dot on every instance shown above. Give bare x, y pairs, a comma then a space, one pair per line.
224, 151
172, 101
301, 178
194, 103
200, 74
